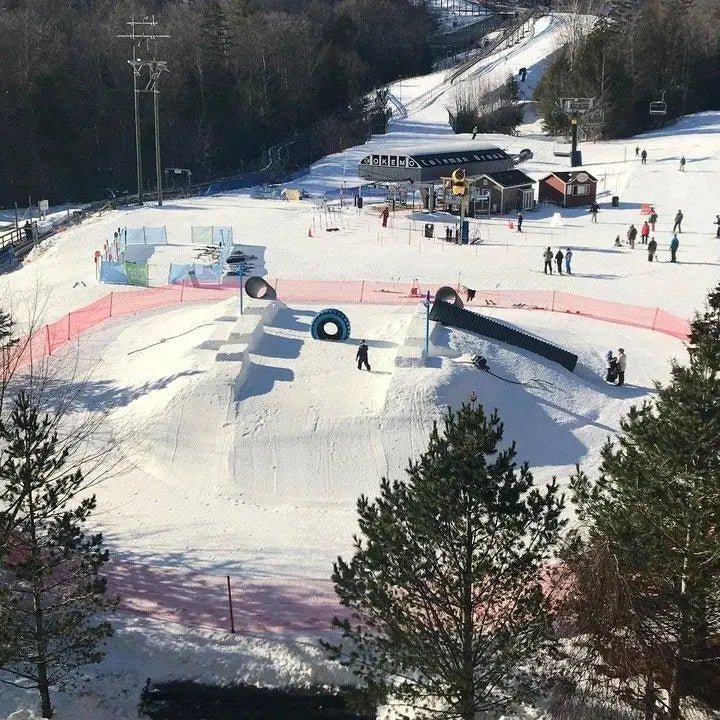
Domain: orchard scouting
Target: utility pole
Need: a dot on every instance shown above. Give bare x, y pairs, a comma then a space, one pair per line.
146, 32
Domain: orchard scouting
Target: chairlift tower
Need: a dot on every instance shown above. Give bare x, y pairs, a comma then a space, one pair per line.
575, 109
145, 32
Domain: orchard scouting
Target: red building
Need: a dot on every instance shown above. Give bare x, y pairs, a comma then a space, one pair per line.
575, 188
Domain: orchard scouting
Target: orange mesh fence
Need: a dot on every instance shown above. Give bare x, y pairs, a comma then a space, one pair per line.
118, 304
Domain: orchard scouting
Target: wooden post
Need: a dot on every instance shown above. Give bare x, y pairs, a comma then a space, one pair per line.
232, 619
111, 299
362, 290
657, 310
553, 302
182, 290
47, 336
68, 326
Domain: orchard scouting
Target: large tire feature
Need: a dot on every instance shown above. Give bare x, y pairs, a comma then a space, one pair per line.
447, 294
259, 289
330, 324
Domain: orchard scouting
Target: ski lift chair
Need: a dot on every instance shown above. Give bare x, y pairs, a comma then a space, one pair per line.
658, 107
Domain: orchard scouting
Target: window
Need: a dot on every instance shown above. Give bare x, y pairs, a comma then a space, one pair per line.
581, 190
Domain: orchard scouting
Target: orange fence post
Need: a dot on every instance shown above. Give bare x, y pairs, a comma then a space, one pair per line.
68, 326
182, 290
362, 290
552, 309
657, 310
111, 298
47, 335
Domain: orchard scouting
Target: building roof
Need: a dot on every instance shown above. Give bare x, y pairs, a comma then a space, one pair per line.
566, 176
509, 178
435, 155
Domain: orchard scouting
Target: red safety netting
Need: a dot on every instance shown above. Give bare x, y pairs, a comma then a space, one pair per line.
50, 338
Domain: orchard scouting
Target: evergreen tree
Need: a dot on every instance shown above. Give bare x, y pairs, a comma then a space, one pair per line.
445, 581
647, 597
50, 582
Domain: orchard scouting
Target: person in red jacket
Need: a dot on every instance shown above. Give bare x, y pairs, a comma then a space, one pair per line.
644, 233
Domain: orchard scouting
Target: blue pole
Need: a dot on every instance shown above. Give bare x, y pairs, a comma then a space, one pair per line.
427, 325
242, 272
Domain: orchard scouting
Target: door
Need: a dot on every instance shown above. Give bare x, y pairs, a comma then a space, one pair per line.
528, 199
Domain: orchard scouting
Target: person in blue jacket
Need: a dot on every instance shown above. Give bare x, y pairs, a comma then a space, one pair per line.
674, 245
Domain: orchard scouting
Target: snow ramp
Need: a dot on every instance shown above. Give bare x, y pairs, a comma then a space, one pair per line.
457, 317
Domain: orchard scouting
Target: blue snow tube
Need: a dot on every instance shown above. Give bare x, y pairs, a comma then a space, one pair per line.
330, 324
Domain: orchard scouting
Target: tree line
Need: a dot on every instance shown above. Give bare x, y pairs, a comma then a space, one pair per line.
638, 54
244, 75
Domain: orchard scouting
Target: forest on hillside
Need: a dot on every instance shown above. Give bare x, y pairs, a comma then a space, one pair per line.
244, 75
637, 54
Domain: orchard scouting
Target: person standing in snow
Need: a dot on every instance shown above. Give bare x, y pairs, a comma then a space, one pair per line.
678, 221
717, 222
643, 157
652, 249
631, 235
594, 209
519, 221
637, 151
653, 218
612, 369
568, 260
644, 233
362, 356
384, 215
558, 260
548, 256
448, 233
682, 164
621, 365
674, 245
475, 132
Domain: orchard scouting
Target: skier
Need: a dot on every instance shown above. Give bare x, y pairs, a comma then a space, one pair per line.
621, 365
362, 356
652, 248
682, 164
519, 221
475, 132
631, 235
594, 209
637, 151
678, 221
674, 245
717, 222
568, 260
653, 218
558, 260
644, 233
548, 256
643, 157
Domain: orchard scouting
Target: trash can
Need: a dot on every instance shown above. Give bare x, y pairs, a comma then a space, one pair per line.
615, 201
359, 202
429, 230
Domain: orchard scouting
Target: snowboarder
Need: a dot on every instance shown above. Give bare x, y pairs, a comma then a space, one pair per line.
637, 151
558, 260
362, 356
475, 132
682, 164
674, 245
612, 367
594, 209
631, 235
385, 214
653, 218
621, 365
678, 221
548, 256
644, 233
568, 260
519, 221
643, 157
652, 249
717, 222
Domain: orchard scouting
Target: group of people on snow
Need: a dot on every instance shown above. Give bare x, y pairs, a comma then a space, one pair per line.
559, 256
616, 367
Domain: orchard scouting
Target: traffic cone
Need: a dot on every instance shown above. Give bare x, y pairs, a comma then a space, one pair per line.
510, 224
310, 231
